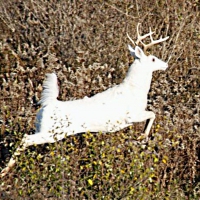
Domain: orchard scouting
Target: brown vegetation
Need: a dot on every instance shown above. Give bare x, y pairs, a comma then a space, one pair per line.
85, 43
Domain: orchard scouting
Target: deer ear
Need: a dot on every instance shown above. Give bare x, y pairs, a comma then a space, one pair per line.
138, 52
132, 51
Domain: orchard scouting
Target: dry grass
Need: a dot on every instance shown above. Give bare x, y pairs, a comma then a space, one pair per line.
85, 43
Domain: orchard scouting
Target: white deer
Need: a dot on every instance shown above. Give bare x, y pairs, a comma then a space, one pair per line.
109, 111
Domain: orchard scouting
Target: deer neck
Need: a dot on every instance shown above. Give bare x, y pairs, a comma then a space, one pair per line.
138, 78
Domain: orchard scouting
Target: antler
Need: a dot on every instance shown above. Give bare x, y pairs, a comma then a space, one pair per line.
140, 38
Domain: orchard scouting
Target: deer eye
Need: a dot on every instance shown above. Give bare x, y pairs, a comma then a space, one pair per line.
153, 59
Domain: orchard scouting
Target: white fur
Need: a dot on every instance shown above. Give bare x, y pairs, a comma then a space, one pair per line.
109, 111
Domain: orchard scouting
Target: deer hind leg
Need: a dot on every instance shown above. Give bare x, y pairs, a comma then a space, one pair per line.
28, 140
12, 160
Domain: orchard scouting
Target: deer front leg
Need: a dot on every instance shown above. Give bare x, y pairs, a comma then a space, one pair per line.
150, 116
145, 115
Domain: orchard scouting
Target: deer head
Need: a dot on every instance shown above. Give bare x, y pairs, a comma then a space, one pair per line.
149, 62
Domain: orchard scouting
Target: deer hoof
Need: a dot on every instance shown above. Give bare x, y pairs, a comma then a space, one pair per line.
143, 138
4, 172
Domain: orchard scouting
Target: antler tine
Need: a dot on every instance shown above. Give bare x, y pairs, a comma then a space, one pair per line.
130, 38
140, 38
153, 42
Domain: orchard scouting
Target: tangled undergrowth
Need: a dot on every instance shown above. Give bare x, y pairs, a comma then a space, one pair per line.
85, 43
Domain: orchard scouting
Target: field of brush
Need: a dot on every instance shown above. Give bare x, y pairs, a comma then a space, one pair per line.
85, 43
